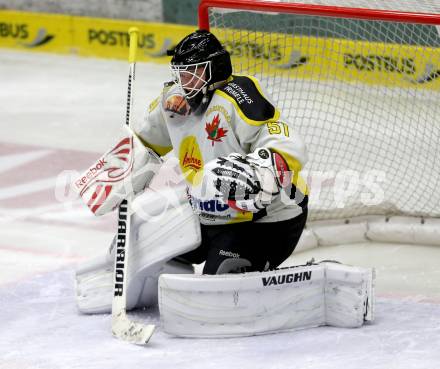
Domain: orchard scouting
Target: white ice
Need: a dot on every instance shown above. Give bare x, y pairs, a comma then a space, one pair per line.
59, 113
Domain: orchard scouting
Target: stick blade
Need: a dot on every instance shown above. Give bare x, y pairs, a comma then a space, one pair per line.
130, 331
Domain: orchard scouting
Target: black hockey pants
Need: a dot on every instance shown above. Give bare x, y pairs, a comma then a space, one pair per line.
247, 246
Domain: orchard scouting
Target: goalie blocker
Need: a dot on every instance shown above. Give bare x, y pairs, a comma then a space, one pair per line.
125, 170
246, 304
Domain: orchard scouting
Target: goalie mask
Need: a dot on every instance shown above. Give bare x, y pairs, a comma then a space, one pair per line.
199, 62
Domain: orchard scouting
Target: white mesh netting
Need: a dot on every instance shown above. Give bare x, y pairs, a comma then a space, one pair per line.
364, 94
415, 6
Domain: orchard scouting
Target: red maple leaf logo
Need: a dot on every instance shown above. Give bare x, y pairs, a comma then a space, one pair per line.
215, 133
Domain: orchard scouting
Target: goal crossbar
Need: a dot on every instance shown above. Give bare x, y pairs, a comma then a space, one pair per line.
316, 10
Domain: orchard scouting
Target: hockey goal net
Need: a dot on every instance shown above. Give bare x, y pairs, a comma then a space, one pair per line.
360, 80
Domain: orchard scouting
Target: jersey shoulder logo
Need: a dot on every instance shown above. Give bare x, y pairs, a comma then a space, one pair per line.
214, 131
245, 93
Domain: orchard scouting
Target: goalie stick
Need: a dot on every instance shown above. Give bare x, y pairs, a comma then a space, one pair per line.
122, 326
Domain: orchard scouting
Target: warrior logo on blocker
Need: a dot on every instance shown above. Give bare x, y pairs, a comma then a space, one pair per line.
214, 131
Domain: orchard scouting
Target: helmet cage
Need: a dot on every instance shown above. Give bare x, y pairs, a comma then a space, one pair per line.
195, 78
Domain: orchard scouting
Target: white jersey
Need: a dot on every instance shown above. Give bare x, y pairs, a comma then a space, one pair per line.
238, 119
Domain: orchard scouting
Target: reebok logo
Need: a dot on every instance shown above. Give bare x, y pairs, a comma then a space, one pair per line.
286, 278
229, 254
90, 174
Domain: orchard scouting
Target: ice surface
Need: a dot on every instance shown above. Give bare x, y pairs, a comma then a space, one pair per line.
41, 329
60, 113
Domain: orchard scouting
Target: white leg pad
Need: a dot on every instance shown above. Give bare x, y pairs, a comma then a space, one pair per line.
349, 295
267, 302
173, 231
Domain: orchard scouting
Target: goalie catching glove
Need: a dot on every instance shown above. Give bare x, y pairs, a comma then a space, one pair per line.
246, 183
125, 170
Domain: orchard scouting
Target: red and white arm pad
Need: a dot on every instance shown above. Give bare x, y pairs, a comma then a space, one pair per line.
125, 170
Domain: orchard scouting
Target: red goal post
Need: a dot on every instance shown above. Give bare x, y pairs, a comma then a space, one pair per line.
312, 9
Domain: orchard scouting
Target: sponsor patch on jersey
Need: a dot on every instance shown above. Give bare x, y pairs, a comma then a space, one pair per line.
214, 131
177, 104
245, 93
219, 109
191, 160
209, 206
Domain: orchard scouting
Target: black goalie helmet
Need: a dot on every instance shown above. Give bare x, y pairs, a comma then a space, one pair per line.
198, 62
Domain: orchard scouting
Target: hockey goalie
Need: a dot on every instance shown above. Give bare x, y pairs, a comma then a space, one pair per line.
237, 204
